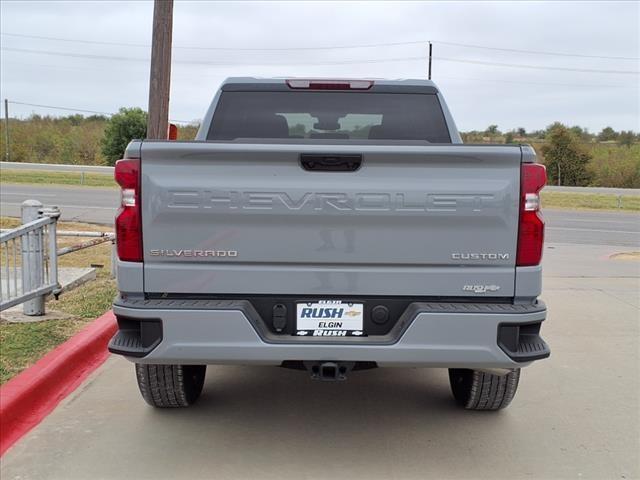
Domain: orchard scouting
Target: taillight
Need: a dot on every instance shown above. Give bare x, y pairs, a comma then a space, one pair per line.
128, 223
172, 132
531, 229
299, 83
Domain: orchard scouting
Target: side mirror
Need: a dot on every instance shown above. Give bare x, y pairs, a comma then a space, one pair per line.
172, 132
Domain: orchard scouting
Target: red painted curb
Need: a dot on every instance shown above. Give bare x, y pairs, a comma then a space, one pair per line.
29, 397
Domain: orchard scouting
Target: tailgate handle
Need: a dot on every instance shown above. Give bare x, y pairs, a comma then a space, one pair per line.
330, 162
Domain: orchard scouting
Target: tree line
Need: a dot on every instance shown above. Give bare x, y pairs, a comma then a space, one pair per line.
573, 155
520, 135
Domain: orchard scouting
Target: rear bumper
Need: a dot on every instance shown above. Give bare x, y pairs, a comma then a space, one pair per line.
459, 335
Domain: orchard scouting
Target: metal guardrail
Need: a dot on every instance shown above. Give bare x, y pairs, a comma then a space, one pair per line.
78, 169
29, 269
56, 167
89, 243
29, 257
618, 192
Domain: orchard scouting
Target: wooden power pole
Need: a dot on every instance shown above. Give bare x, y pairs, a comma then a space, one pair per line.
160, 78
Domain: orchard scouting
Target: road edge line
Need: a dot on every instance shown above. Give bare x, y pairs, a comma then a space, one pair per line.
30, 396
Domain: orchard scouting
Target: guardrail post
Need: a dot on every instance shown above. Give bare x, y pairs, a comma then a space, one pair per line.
54, 213
32, 259
114, 258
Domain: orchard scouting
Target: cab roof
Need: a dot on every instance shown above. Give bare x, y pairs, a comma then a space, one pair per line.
297, 83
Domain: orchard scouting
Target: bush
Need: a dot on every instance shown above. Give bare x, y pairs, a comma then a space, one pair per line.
614, 166
126, 125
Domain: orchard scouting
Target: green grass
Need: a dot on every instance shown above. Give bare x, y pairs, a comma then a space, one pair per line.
89, 300
589, 201
22, 344
58, 178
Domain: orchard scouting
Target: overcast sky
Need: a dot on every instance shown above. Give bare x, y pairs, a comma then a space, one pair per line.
103, 76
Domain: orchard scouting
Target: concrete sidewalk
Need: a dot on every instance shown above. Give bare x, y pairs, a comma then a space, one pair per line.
575, 415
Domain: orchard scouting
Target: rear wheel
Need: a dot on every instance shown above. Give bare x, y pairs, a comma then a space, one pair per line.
170, 386
477, 390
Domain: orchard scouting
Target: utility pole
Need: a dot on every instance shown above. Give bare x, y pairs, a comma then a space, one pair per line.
6, 130
160, 77
430, 56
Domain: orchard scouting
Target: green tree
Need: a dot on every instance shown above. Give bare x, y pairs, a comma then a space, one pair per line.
581, 133
607, 134
127, 124
492, 130
522, 132
508, 138
565, 157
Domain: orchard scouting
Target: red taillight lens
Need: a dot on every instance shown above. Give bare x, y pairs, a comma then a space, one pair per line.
531, 228
172, 132
128, 224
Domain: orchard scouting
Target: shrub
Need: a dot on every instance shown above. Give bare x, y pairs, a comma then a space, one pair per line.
614, 166
127, 124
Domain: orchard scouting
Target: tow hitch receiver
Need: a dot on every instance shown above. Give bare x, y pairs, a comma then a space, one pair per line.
329, 371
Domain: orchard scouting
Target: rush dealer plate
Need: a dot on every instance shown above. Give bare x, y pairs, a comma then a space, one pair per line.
329, 318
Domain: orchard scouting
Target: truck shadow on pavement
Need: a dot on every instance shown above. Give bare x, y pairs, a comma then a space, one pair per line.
278, 413
273, 423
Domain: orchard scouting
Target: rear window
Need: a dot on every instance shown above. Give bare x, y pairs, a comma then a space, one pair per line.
329, 115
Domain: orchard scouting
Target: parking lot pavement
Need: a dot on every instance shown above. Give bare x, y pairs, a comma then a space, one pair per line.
575, 414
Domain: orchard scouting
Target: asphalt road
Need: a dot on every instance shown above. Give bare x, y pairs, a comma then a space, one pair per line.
82, 204
575, 415
97, 205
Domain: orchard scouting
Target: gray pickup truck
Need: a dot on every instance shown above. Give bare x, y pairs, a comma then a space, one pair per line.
332, 226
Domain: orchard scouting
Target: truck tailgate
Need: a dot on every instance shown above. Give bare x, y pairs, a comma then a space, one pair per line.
428, 220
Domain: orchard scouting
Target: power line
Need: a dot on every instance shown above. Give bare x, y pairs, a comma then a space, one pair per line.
74, 55
330, 47
69, 109
485, 80
228, 49
345, 62
539, 67
536, 52
194, 62
61, 108
572, 85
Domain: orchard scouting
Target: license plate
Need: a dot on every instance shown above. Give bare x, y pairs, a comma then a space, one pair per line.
329, 318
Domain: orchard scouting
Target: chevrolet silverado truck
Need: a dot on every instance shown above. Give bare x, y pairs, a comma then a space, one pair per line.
331, 226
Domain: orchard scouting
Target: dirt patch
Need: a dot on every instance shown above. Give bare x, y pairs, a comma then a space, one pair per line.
625, 256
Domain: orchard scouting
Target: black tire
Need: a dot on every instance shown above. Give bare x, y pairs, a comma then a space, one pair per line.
476, 390
170, 386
